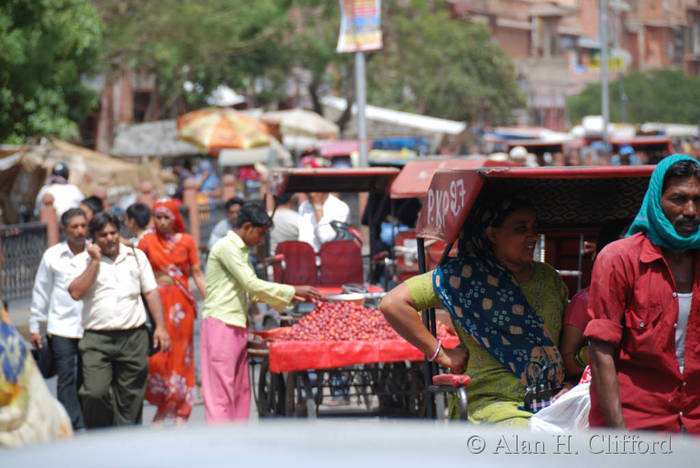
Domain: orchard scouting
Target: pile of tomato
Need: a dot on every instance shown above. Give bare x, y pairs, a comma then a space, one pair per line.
343, 321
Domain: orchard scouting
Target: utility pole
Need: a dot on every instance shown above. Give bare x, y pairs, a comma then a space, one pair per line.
361, 102
623, 97
604, 97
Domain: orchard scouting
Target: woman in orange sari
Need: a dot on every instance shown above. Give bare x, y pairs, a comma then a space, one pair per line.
173, 256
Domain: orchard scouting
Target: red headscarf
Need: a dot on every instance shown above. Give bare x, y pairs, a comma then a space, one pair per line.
169, 207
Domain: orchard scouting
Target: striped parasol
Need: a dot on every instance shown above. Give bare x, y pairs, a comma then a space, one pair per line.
214, 129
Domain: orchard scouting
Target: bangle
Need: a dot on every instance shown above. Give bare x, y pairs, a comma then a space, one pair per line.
437, 350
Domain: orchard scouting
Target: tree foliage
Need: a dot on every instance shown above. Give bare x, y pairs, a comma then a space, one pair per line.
206, 42
430, 63
658, 95
436, 65
47, 50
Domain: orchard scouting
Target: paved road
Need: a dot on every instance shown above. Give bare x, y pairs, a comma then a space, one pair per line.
19, 314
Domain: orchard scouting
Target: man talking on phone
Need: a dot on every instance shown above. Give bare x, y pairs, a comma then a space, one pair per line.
114, 349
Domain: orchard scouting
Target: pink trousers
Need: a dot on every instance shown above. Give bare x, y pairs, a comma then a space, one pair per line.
224, 365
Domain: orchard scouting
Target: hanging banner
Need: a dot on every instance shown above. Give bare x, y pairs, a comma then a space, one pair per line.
360, 26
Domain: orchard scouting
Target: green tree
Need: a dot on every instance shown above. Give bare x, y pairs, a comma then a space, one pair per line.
436, 65
48, 48
430, 63
206, 42
657, 95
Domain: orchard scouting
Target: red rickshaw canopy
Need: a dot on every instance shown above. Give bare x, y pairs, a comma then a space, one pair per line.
414, 179
564, 197
373, 179
640, 143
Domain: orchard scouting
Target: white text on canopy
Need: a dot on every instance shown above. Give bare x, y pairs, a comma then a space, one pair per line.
442, 202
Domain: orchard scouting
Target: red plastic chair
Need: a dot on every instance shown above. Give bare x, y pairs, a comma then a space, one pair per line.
341, 263
298, 266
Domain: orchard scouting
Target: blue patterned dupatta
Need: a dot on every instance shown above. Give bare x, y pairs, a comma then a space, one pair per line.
484, 298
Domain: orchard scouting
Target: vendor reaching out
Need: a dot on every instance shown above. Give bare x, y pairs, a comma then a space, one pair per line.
506, 308
231, 283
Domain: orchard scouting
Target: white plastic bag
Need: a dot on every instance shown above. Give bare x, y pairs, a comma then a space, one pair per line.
568, 413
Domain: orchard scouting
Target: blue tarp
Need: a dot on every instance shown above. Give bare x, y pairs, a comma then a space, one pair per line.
417, 144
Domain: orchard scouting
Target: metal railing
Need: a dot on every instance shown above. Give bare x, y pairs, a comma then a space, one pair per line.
23, 246
210, 214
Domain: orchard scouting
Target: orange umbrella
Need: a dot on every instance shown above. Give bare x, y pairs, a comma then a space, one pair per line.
214, 129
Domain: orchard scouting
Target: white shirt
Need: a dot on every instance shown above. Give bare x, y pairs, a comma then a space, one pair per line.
684, 300
113, 302
317, 232
51, 302
221, 229
285, 227
135, 240
65, 197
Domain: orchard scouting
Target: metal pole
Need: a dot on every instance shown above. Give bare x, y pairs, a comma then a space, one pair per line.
623, 97
361, 102
429, 371
605, 100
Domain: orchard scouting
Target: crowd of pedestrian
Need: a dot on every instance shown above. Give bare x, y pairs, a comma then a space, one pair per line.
595, 154
119, 313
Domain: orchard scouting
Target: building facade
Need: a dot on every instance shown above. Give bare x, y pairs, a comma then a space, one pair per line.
556, 48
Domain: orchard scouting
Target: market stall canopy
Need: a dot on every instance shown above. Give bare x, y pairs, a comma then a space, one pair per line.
30, 165
564, 197
671, 130
644, 143
415, 176
274, 155
213, 129
374, 179
301, 122
538, 146
155, 139
331, 149
416, 122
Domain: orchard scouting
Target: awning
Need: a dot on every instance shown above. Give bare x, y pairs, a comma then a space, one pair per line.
645, 143
564, 197
331, 149
414, 179
274, 155
374, 179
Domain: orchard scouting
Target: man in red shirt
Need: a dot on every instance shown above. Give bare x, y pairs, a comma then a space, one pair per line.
645, 310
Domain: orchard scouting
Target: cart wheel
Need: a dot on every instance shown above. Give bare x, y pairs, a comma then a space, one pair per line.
392, 386
363, 387
415, 400
271, 394
318, 388
299, 400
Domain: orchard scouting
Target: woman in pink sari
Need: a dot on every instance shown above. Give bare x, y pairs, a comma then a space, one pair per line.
174, 258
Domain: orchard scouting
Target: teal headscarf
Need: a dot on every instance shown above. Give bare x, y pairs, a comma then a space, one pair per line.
651, 219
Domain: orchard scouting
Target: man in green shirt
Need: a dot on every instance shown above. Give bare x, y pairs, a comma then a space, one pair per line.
231, 283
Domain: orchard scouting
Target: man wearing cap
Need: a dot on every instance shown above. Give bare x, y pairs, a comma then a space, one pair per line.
644, 304
65, 195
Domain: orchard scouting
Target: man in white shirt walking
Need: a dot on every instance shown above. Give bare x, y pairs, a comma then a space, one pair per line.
65, 195
315, 216
52, 304
110, 279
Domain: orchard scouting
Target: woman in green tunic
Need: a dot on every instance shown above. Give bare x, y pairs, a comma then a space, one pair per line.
506, 309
